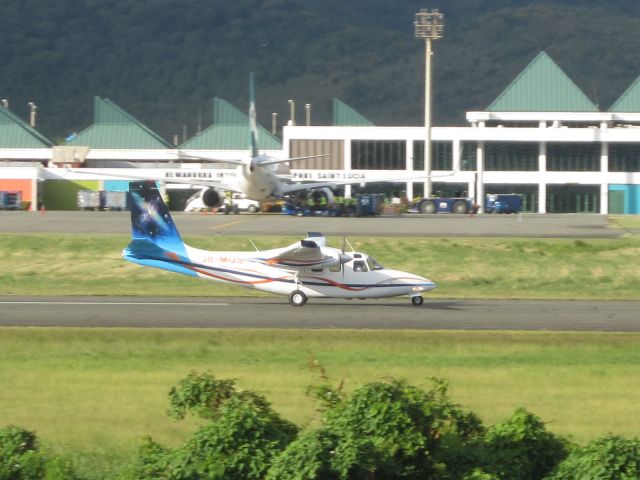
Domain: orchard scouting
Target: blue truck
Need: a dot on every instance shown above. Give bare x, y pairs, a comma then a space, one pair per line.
443, 205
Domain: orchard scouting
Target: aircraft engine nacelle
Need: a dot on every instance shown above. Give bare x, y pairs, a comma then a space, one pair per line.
212, 197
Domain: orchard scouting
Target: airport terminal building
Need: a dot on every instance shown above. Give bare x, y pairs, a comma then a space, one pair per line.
541, 137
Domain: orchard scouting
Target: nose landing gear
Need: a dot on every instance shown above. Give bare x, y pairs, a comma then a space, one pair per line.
417, 300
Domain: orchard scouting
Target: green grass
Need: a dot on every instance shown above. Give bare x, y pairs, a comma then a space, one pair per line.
625, 221
462, 268
94, 393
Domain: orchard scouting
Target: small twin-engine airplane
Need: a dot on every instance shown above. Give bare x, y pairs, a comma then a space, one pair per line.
307, 268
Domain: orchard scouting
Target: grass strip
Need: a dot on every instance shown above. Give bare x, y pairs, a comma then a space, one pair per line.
462, 268
94, 393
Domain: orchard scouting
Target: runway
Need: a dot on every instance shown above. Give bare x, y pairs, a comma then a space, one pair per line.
409, 225
275, 312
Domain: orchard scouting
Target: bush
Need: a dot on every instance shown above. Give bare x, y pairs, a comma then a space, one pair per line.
521, 448
240, 441
388, 430
609, 458
20, 458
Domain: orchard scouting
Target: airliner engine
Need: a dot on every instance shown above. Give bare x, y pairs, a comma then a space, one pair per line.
205, 198
212, 198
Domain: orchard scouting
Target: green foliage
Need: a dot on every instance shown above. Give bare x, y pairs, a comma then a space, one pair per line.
21, 459
201, 394
521, 448
383, 430
609, 458
19, 456
243, 435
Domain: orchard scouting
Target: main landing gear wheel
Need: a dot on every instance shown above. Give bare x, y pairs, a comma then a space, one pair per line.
297, 298
417, 300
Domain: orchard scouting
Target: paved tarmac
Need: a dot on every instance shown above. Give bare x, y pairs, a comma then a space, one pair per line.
275, 312
521, 225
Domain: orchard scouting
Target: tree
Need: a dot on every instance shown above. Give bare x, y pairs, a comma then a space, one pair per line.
609, 458
21, 459
521, 448
239, 442
387, 430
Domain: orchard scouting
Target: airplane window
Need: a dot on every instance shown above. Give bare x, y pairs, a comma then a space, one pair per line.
359, 266
373, 265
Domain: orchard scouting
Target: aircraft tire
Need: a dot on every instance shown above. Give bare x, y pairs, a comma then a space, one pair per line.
297, 298
417, 300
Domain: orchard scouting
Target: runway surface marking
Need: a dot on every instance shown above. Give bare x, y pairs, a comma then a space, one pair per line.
225, 225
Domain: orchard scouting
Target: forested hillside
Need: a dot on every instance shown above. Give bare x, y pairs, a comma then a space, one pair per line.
164, 60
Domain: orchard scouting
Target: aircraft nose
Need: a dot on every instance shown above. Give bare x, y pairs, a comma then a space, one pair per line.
424, 285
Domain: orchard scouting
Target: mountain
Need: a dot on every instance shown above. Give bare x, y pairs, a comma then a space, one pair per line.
164, 60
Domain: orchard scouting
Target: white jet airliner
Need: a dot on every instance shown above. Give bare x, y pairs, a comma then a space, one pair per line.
257, 175
305, 269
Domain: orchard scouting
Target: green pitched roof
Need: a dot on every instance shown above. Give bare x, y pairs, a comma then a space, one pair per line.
629, 101
230, 131
115, 128
542, 87
344, 115
16, 133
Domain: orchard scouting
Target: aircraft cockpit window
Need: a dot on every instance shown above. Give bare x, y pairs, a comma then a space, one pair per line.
373, 265
359, 266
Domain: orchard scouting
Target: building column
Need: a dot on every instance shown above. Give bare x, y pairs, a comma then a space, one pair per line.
346, 154
542, 197
604, 187
542, 168
409, 167
479, 197
456, 152
542, 157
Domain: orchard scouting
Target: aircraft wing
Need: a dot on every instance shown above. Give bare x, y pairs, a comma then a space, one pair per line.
197, 158
274, 161
302, 254
203, 182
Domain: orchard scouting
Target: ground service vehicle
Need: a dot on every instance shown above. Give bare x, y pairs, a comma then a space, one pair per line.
443, 205
503, 203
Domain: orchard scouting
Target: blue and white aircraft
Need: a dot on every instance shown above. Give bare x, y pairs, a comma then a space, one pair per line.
305, 269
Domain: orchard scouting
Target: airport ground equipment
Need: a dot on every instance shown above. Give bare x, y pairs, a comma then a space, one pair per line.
503, 203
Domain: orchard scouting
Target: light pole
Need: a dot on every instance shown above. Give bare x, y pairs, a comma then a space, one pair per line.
292, 113
307, 110
32, 115
430, 26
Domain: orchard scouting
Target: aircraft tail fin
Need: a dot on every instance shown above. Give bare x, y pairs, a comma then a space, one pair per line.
155, 241
253, 125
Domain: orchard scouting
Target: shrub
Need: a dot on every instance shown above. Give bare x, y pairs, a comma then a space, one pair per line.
521, 448
388, 430
609, 458
239, 442
21, 459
